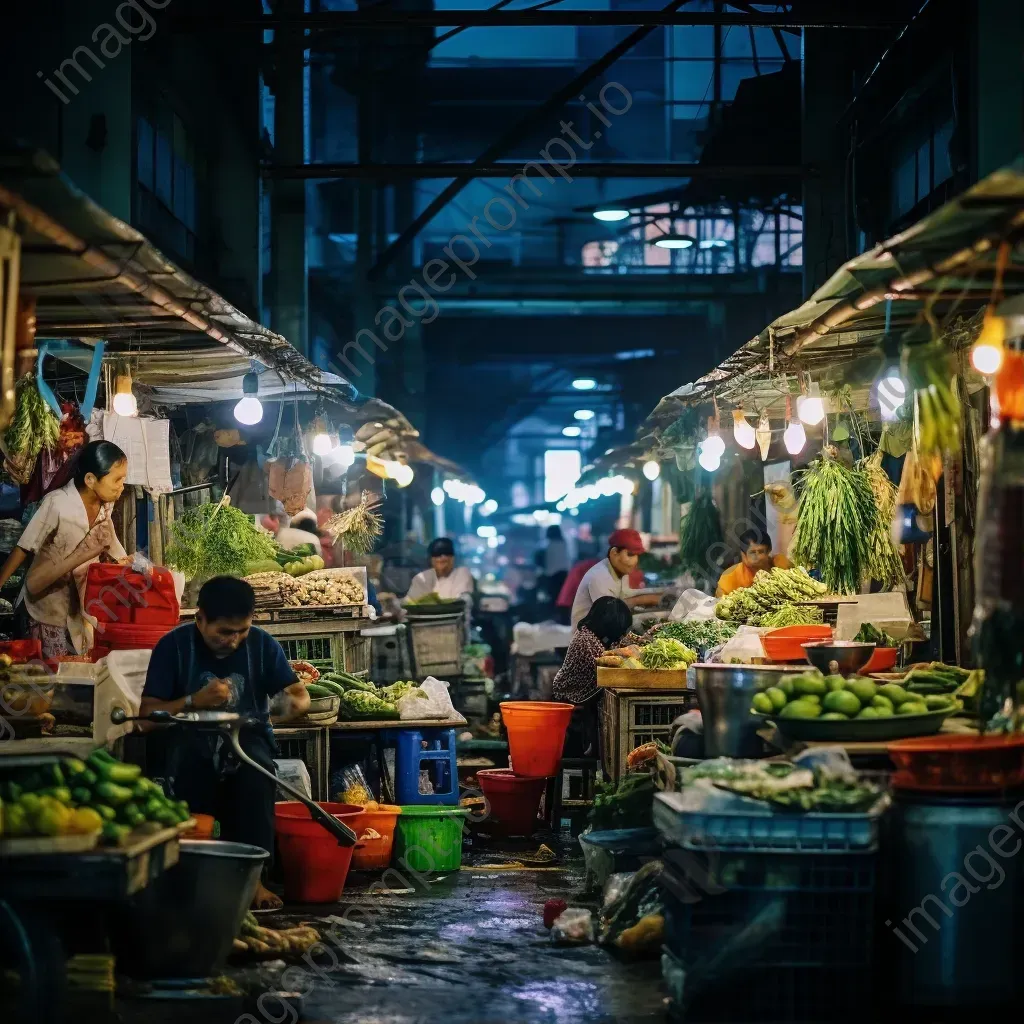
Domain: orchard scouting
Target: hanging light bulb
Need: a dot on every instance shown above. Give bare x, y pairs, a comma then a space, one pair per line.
402, 474
321, 439
714, 445
249, 410
708, 461
810, 408
987, 353
763, 434
794, 437
892, 393
437, 496
652, 469
124, 403
742, 431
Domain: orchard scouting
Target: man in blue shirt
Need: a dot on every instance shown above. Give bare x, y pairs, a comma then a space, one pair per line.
224, 662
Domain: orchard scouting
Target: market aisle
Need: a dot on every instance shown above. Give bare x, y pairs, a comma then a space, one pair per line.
473, 949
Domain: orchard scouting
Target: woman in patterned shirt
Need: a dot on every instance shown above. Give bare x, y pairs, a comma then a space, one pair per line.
605, 628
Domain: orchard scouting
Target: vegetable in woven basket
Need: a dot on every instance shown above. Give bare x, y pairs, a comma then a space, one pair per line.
837, 514
700, 533
216, 539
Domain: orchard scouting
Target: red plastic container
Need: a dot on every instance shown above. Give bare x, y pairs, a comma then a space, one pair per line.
315, 866
783, 644
372, 854
958, 764
883, 659
115, 593
116, 636
21, 651
536, 735
512, 800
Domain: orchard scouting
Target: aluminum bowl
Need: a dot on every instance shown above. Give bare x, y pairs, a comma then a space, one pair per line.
838, 657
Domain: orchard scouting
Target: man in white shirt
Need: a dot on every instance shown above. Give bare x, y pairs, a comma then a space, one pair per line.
443, 578
610, 577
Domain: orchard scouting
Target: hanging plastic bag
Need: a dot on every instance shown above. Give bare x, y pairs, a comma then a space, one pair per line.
693, 606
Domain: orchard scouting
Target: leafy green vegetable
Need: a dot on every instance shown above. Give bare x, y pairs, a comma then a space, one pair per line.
629, 803
871, 634
35, 426
884, 562
666, 653
216, 539
699, 534
793, 615
698, 635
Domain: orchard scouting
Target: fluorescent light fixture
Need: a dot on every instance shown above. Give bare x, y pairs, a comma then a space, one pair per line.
670, 241
652, 469
583, 415
571, 431
611, 215
584, 383
249, 410
437, 496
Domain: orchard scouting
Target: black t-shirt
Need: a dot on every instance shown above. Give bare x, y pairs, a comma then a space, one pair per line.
183, 664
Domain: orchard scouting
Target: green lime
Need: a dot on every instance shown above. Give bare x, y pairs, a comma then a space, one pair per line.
895, 693
777, 696
882, 712
801, 709
808, 684
864, 689
834, 683
833, 716
881, 703
763, 704
841, 701
786, 685
912, 707
811, 698
868, 713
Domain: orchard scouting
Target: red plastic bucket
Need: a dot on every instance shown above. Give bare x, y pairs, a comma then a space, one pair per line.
315, 866
512, 800
536, 735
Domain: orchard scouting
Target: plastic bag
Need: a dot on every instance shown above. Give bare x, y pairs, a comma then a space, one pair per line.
354, 787
429, 700
693, 606
295, 773
828, 763
573, 926
744, 647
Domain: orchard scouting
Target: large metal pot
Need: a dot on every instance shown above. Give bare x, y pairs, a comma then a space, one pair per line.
955, 943
182, 925
725, 693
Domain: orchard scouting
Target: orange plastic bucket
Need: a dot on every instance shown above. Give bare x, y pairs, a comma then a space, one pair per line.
536, 735
374, 852
315, 866
203, 828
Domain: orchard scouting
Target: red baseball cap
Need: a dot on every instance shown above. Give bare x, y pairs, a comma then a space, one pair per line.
628, 539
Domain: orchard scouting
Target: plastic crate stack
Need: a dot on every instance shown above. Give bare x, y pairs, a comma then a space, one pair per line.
766, 924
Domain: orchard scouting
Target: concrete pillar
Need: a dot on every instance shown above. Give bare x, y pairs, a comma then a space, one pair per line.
825, 93
998, 66
289, 289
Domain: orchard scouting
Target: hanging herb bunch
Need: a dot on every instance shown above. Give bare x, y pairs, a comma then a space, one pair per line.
216, 539
34, 427
699, 534
835, 521
358, 527
884, 562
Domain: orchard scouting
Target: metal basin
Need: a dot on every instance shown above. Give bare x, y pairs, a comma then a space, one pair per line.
838, 657
725, 693
182, 924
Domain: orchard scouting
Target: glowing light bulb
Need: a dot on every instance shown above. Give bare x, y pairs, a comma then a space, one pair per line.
708, 461
714, 445
321, 444
794, 438
126, 404
437, 496
652, 469
403, 474
810, 409
985, 359
742, 431
892, 393
344, 455
249, 411
489, 507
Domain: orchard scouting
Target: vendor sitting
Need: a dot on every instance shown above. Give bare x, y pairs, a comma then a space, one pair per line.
605, 628
224, 662
755, 556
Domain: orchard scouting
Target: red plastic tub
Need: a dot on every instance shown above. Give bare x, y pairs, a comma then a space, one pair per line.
958, 764
315, 866
881, 660
512, 800
536, 735
783, 644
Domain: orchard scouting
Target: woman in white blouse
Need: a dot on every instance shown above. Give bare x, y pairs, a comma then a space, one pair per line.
71, 528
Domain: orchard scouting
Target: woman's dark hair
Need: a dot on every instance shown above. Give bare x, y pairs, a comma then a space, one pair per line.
555, 532
440, 547
98, 458
226, 597
609, 619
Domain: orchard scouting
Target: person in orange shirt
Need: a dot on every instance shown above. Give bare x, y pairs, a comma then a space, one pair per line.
755, 555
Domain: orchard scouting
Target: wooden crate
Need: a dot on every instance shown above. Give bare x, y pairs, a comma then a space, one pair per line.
630, 718
641, 678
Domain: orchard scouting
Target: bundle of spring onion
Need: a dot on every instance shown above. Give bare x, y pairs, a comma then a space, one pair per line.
666, 653
700, 533
837, 514
884, 562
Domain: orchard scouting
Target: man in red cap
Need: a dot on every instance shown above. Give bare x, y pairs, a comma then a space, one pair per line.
610, 577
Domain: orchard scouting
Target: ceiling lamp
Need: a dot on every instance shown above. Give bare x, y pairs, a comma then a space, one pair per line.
249, 410
987, 353
892, 393
794, 437
437, 496
584, 383
124, 402
742, 431
652, 469
611, 215
571, 431
763, 434
810, 408
673, 241
583, 415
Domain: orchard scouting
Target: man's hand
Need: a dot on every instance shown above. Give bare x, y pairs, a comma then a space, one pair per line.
292, 702
215, 694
